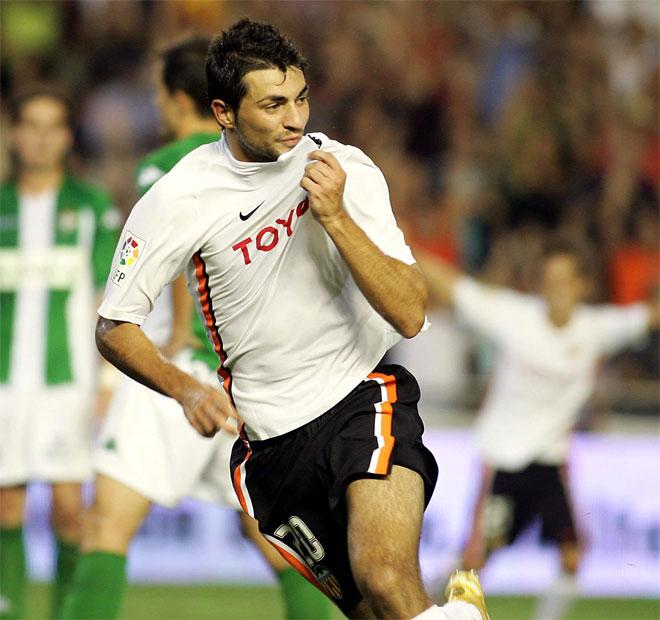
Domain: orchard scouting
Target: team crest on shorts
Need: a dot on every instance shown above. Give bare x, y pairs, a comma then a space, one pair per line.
130, 252
328, 582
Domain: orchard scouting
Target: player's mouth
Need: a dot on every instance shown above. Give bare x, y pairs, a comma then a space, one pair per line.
291, 141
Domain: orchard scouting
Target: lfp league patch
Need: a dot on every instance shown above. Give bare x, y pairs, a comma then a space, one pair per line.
129, 253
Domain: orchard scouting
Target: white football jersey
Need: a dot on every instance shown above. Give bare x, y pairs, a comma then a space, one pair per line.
293, 332
543, 374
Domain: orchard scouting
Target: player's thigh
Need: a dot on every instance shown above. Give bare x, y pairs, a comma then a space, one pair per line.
385, 518
114, 517
12, 505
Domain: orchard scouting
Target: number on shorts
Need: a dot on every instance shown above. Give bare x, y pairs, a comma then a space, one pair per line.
303, 538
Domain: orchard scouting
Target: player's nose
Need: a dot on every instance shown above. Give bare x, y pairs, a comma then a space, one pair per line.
294, 119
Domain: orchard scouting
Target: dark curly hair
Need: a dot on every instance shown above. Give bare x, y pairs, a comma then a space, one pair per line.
183, 69
246, 46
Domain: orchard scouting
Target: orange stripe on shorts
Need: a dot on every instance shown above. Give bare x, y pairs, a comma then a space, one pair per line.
384, 410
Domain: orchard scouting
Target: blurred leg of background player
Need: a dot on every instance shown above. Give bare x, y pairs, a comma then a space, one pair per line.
111, 524
505, 507
65, 518
13, 575
148, 453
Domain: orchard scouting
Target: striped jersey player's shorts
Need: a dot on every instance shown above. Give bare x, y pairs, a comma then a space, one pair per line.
294, 484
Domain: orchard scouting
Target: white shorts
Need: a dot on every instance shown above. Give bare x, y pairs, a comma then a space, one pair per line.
45, 435
147, 444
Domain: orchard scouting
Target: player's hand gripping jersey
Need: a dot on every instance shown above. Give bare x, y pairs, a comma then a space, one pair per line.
543, 374
292, 330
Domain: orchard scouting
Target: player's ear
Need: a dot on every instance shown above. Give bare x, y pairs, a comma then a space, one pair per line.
223, 114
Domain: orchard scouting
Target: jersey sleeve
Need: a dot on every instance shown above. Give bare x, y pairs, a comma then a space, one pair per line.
620, 326
367, 201
488, 309
108, 221
159, 238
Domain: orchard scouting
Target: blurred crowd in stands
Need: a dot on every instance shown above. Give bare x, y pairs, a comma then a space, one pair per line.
496, 123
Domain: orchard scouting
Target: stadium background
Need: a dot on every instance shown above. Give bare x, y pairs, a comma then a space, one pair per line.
495, 123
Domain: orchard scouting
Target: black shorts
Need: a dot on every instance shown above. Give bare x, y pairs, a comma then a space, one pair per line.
294, 484
517, 498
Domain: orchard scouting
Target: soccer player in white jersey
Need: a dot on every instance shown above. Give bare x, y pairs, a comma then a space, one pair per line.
146, 451
549, 347
57, 238
303, 279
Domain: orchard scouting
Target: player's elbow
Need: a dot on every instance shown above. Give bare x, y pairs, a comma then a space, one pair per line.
412, 324
413, 319
102, 335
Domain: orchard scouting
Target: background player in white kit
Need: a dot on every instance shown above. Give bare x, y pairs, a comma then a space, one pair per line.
57, 237
146, 451
304, 281
548, 351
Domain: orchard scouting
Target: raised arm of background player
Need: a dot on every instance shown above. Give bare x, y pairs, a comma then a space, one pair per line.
395, 290
442, 279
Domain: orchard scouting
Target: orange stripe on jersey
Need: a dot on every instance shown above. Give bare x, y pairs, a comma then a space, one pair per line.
384, 411
209, 317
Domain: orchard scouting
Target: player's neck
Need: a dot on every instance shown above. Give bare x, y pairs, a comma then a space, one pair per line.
191, 125
38, 180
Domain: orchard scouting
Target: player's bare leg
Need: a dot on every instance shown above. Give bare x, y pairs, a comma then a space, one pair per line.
362, 611
477, 548
12, 506
250, 529
66, 515
66, 519
556, 601
109, 525
384, 526
114, 517
13, 576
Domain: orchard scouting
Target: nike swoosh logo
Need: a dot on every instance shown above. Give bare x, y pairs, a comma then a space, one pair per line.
247, 215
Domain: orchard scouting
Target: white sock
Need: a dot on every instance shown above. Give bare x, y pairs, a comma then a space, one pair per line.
556, 601
456, 610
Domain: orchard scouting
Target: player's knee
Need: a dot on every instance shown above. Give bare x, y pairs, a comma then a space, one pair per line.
379, 581
67, 522
107, 530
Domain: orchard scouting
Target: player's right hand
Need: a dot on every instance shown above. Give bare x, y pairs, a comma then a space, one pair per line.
208, 409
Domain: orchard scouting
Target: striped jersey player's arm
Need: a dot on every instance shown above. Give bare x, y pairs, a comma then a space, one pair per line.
159, 238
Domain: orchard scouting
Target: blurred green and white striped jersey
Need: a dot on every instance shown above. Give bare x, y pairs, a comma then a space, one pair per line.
158, 325
55, 250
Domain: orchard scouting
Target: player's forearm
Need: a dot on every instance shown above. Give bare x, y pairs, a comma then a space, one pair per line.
396, 291
126, 346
